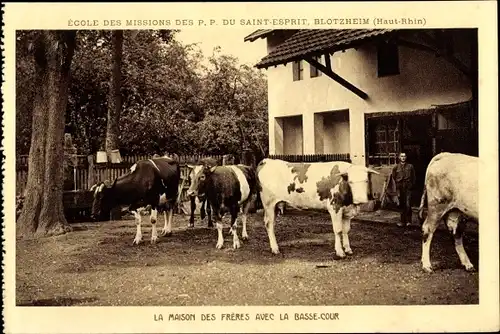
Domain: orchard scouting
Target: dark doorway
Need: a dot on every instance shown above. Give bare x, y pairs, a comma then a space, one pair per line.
416, 141
412, 133
421, 134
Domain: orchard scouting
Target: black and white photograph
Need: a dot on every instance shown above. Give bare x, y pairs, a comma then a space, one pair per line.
197, 163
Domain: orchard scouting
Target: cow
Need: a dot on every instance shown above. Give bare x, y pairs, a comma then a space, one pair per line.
152, 182
195, 169
205, 209
450, 193
338, 187
226, 188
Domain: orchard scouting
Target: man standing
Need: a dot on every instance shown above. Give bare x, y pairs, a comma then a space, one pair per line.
404, 176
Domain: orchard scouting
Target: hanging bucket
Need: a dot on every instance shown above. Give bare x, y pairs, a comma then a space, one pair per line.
101, 157
115, 157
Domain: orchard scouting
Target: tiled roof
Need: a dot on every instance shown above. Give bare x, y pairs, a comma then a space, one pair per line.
258, 34
313, 41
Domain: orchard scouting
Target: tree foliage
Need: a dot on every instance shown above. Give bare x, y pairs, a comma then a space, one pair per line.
173, 99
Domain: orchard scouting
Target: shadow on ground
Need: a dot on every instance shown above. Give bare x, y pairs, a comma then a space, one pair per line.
303, 237
186, 268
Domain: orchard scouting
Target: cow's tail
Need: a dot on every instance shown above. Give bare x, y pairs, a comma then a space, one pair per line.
258, 200
423, 203
257, 170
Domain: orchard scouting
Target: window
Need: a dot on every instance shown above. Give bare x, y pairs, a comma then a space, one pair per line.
387, 59
288, 135
298, 70
384, 141
313, 70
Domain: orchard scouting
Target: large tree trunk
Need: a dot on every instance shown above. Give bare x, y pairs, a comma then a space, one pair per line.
114, 96
43, 212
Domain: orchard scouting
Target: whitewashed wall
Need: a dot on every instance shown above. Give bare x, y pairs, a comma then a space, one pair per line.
424, 80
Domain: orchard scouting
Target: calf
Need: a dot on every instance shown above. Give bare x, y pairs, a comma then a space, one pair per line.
338, 187
226, 188
153, 182
450, 190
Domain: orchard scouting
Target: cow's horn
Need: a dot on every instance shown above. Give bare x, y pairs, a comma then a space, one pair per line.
369, 170
341, 174
101, 187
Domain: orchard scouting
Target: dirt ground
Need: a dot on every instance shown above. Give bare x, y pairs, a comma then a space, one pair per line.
97, 264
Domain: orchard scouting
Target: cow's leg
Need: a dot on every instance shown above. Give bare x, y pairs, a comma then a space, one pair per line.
456, 227
428, 228
220, 226
346, 227
244, 215
167, 228
138, 234
209, 214
202, 209
337, 229
234, 226
154, 219
269, 218
193, 208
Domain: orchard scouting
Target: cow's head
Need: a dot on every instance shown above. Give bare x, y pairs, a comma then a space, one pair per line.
355, 180
103, 201
198, 177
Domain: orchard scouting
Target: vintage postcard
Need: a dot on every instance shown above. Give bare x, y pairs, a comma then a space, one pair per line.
250, 167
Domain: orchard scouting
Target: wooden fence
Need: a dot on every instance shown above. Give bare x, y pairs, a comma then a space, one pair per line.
312, 157
82, 172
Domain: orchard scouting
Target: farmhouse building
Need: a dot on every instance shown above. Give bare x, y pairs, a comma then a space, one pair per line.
372, 93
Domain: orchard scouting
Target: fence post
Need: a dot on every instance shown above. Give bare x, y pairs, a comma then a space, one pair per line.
248, 158
227, 159
91, 178
69, 154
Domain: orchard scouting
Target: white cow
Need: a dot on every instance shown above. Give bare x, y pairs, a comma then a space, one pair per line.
451, 190
338, 187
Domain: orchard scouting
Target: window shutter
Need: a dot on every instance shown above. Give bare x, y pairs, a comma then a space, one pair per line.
295, 68
313, 70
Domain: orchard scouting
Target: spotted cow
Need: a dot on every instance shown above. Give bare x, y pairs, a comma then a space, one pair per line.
450, 193
226, 188
338, 187
152, 182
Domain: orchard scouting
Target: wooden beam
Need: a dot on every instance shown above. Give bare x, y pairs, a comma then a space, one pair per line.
328, 63
337, 78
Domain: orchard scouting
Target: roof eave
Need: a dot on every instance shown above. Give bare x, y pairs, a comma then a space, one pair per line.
253, 36
352, 45
302, 57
